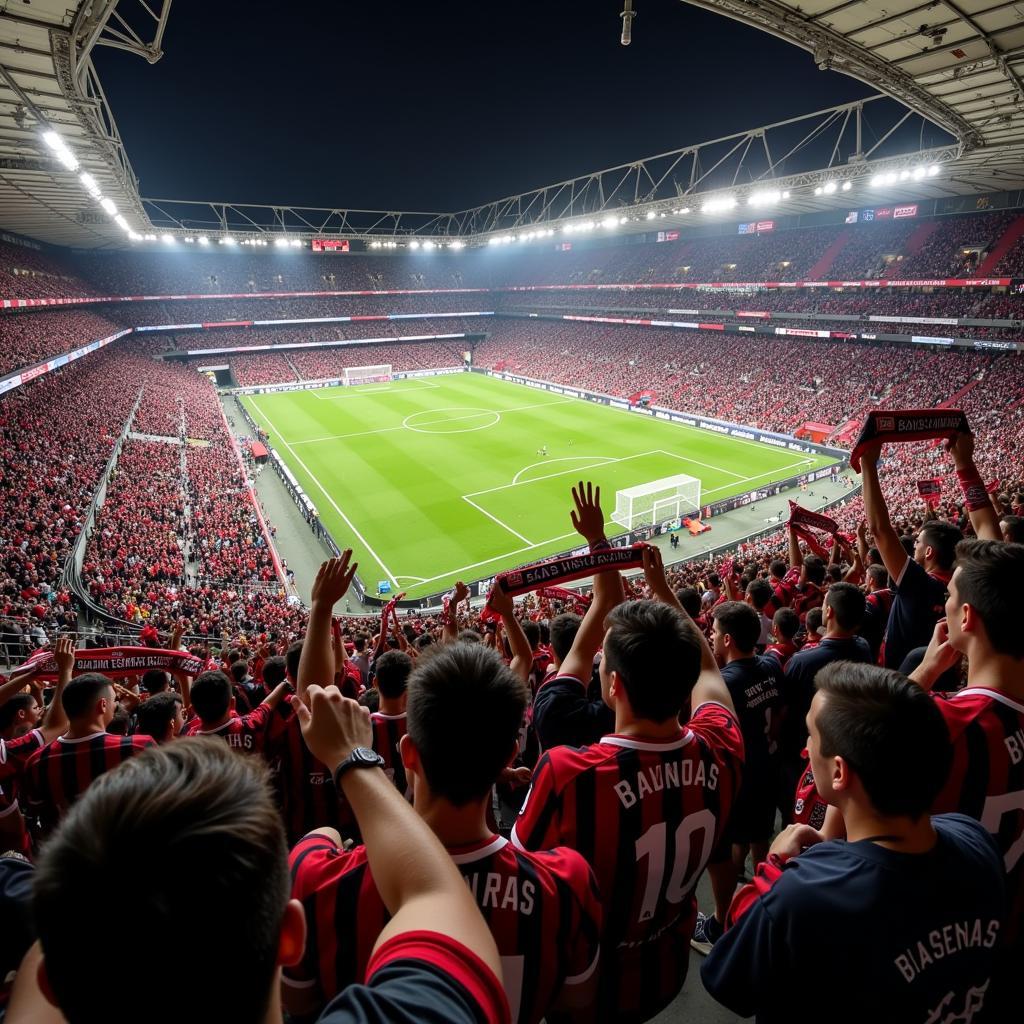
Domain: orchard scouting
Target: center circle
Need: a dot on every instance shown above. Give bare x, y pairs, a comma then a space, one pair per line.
456, 420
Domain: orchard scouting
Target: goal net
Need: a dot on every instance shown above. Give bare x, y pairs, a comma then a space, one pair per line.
367, 374
672, 497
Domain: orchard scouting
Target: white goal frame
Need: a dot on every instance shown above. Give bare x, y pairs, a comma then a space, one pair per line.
354, 375
655, 502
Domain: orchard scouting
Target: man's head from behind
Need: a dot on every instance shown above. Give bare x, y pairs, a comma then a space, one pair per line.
652, 658
211, 696
203, 821
735, 632
876, 739
391, 671
935, 547
88, 697
465, 708
563, 632
162, 716
983, 607
843, 611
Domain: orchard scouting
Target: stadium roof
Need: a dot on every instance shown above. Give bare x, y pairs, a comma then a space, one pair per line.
960, 63
955, 63
47, 82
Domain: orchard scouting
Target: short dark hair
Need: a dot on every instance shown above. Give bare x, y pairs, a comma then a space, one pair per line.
760, 593
80, 695
154, 715
292, 658
391, 673
879, 574
465, 709
564, 628
785, 624
714, 580
690, 600
469, 636
739, 621
778, 568
370, 699
192, 806
240, 671
813, 619
886, 728
1013, 528
211, 695
656, 652
847, 603
943, 537
814, 569
10, 708
155, 680
275, 670
989, 577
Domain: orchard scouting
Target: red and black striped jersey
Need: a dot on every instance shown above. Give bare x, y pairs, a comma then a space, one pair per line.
305, 788
59, 773
543, 910
14, 755
646, 816
987, 778
247, 733
388, 731
808, 807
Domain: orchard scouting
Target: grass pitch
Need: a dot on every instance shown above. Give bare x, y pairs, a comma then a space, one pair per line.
436, 479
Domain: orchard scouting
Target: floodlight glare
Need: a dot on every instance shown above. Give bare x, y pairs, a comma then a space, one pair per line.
227, 240
919, 173
494, 240
651, 215
457, 244
428, 244
847, 186
167, 239
203, 240
933, 170
296, 243
121, 223
280, 243
188, 239
90, 184
829, 188
414, 244
610, 222
108, 205
818, 191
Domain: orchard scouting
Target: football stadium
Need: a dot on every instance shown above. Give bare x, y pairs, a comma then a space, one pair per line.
598, 603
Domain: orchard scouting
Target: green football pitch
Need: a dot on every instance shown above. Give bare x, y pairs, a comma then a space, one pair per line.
436, 479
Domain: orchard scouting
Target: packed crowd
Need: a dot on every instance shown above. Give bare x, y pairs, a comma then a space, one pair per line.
840, 730
955, 247
27, 338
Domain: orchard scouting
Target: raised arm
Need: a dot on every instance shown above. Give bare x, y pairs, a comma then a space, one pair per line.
710, 685
796, 556
416, 878
588, 521
450, 628
55, 722
317, 662
522, 653
983, 515
887, 540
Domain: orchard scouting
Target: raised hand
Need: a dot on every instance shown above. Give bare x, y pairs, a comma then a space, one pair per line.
654, 574
939, 657
587, 517
961, 447
334, 579
64, 655
794, 839
332, 725
499, 601
461, 592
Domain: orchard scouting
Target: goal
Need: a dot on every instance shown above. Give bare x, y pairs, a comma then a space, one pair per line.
672, 497
366, 374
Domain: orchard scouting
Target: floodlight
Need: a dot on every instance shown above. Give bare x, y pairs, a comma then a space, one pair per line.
167, 239
90, 184
846, 186
719, 205
933, 170
818, 191
188, 239
227, 240
428, 244
203, 240
281, 243
919, 173
414, 244
651, 215
610, 222
904, 175
121, 223
785, 195
108, 205
457, 244
296, 243
494, 240
829, 188
150, 238
134, 236
61, 151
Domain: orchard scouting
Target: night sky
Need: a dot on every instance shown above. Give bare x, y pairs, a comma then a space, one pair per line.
421, 106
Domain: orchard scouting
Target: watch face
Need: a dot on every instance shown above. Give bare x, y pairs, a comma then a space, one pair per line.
367, 756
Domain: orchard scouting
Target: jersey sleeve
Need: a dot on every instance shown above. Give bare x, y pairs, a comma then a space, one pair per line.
719, 728
912, 582
537, 827
958, 714
746, 969
586, 937
259, 719
14, 754
564, 715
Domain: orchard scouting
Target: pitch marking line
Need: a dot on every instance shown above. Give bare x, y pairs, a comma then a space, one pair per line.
401, 426
330, 500
347, 392
605, 459
562, 472
504, 526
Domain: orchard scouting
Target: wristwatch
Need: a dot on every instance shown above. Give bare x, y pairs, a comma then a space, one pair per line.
361, 757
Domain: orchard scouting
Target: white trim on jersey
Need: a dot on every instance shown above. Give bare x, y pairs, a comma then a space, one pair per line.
973, 691
625, 741
496, 844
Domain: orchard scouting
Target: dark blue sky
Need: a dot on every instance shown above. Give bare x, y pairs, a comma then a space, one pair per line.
438, 106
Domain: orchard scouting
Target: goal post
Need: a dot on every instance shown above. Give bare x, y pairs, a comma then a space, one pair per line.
366, 374
671, 497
